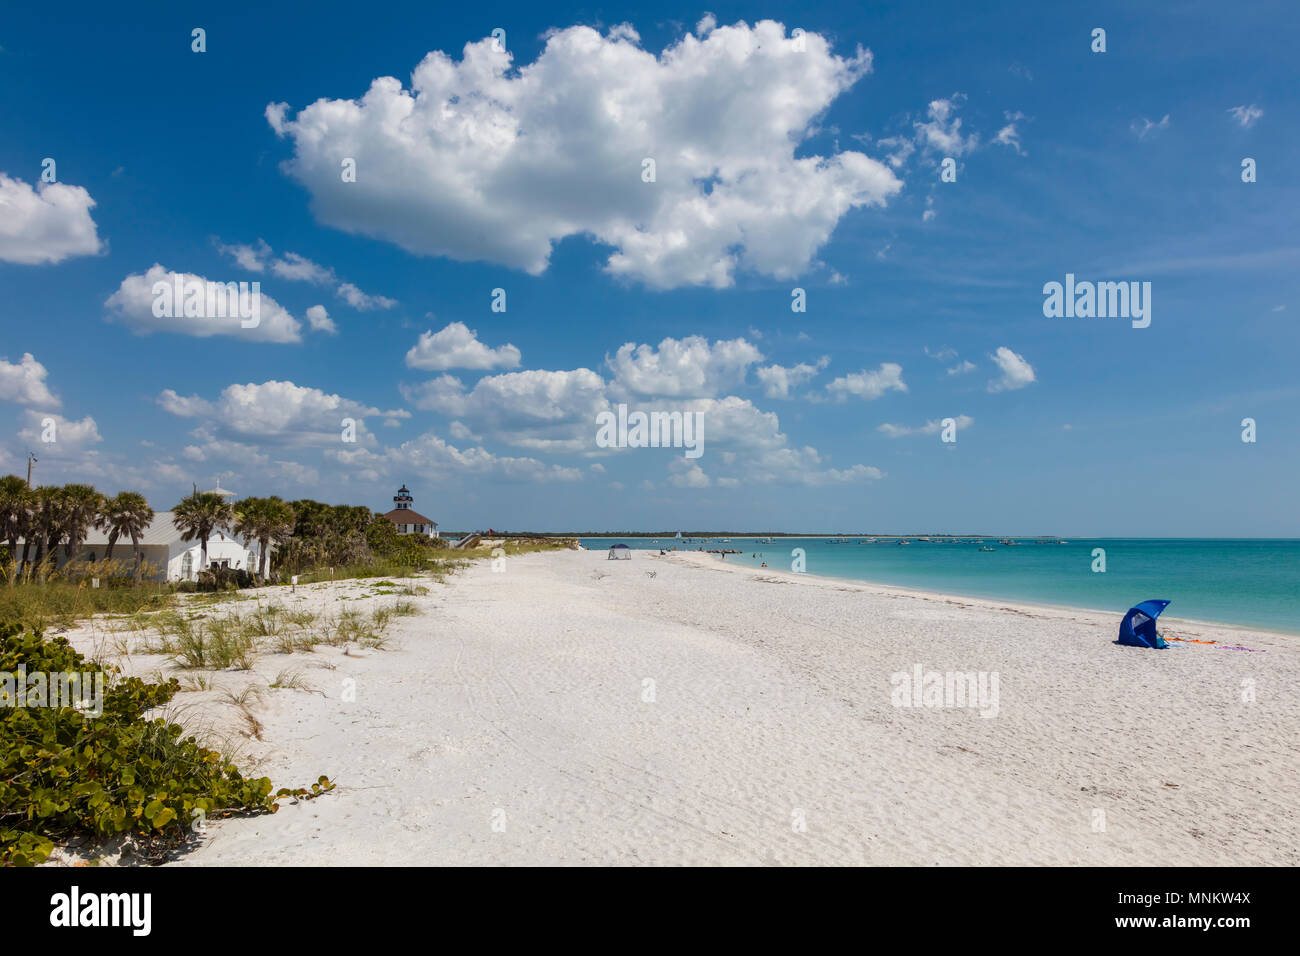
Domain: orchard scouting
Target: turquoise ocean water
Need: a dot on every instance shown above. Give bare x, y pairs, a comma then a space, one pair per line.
1250, 582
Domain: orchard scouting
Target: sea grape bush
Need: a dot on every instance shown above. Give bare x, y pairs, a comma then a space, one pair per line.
64, 773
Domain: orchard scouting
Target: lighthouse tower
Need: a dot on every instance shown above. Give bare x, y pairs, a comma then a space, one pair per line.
403, 499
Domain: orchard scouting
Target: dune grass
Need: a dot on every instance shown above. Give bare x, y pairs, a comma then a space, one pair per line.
197, 641
60, 603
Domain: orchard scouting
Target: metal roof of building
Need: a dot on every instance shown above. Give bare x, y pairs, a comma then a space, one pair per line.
160, 531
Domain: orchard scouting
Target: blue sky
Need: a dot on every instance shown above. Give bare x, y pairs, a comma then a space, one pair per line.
776, 168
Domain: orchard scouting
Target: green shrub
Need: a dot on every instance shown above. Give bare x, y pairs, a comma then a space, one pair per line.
218, 578
66, 773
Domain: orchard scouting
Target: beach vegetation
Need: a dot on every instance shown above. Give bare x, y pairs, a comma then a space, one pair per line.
67, 772
235, 641
126, 514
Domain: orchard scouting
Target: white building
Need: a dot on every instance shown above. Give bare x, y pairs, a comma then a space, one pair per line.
167, 557
407, 519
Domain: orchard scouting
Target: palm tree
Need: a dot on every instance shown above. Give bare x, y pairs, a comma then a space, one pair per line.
263, 520
126, 513
279, 527
199, 514
82, 507
48, 525
16, 501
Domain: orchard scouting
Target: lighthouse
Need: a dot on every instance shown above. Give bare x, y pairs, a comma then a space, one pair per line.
407, 519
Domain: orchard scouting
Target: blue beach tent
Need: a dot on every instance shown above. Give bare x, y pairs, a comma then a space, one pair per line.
1138, 629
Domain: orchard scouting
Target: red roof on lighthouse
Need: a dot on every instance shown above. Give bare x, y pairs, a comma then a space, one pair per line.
408, 516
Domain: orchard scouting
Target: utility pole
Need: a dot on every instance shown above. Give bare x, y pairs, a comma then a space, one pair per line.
30, 459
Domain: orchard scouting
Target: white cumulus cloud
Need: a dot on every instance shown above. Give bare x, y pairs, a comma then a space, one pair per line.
1016, 372
777, 380
683, 368
134, 304
70, 437
24, 382
45, 225
941, 131
457, 346
869, 385
275, 412
484, 159
319, 320
538, 409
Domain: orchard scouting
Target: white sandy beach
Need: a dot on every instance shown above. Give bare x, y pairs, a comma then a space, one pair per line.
509, 723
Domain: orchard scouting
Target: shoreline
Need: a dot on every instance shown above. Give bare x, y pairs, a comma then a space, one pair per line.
808, 577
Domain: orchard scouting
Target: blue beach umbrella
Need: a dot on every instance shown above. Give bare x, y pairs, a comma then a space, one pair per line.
1138, 629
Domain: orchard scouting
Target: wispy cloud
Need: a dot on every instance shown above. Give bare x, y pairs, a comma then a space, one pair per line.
298, 268
1144, 127
932, 427
1247, 116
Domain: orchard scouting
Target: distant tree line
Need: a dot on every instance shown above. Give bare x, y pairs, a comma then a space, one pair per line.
50, 516
306, 534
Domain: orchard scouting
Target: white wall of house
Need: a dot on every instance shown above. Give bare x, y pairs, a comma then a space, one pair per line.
428, 530
167, 556
185, 560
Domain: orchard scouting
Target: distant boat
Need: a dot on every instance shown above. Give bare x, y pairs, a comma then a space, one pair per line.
904, 541
987, 548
